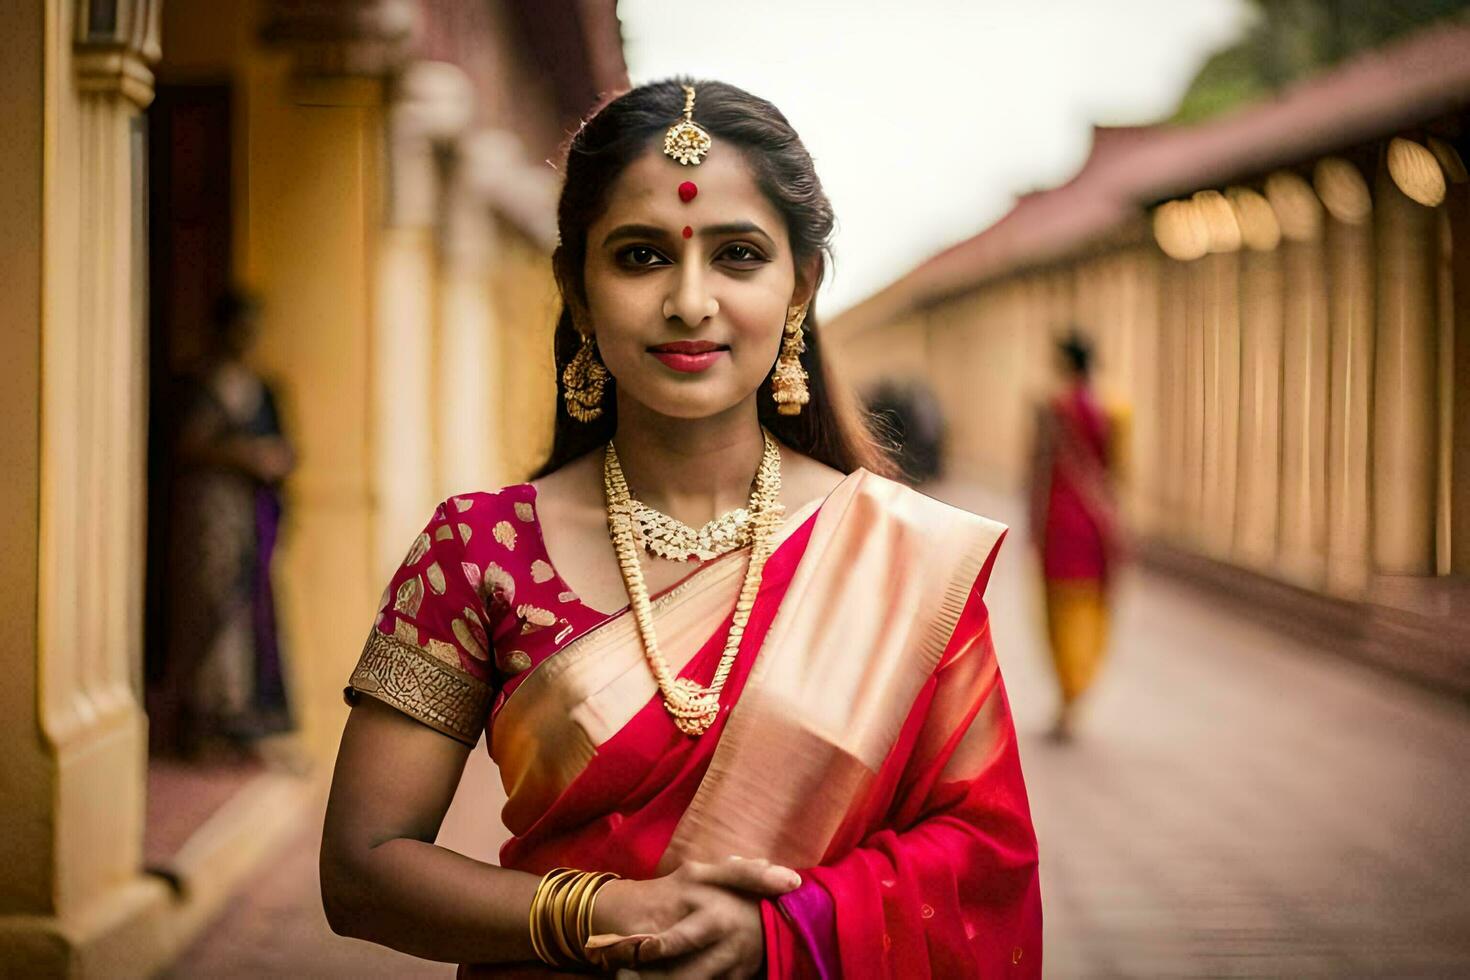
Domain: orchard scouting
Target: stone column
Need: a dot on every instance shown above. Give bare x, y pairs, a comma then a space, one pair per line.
1198, 283
1170, 373
1140, 346
1220, 271
1350, 275
1302, 542
1455, 314
471, 364
1261, 305
430, 105
315, 155
73, 898
1405, 413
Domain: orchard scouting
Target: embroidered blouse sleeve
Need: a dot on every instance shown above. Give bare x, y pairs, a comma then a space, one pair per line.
428, 654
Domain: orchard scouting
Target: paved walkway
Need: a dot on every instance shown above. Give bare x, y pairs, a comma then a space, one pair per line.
1235, 805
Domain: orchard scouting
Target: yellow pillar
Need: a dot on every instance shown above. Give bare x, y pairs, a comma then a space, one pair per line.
314, 149
471, 385
1455, 280
1261, 307
1405, 411
1141, 328
1302, 533
1171, 386
1350, 316
432, 102
1197, 285
73, 899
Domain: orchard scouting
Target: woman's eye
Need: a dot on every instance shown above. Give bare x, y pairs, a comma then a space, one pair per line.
640, 255
742, 253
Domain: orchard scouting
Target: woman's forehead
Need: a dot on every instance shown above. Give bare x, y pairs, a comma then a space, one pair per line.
648, 190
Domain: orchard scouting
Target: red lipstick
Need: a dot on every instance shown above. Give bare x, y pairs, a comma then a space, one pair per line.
688, 356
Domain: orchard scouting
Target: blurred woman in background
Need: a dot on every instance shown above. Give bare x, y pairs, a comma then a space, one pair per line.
224, 683
1075, 522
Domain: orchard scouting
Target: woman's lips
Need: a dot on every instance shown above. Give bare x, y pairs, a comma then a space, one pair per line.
688, 356
689, 363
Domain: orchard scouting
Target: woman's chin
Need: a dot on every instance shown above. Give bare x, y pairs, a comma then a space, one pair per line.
689, 402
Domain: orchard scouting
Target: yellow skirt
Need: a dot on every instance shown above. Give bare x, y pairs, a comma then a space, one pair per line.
1077, 625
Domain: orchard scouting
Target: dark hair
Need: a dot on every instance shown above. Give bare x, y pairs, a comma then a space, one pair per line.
1077, 349
831, 427
232, 306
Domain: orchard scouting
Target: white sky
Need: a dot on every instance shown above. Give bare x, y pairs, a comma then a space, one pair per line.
926, 118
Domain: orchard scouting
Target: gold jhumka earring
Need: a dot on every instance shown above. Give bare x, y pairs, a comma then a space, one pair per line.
788, 383
583, 381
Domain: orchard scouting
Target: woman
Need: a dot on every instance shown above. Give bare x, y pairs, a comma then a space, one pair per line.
707, 628
1075, 524
223, 679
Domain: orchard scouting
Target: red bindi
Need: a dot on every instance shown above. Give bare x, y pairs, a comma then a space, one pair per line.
687, 190
688, 232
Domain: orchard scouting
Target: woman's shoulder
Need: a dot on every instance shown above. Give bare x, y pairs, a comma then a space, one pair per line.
920, 510
804, 478
478, 506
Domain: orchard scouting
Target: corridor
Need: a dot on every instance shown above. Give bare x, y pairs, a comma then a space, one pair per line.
1236, 805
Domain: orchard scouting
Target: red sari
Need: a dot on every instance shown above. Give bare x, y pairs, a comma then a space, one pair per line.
865, 738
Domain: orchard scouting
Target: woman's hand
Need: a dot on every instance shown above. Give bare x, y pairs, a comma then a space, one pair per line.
702, 920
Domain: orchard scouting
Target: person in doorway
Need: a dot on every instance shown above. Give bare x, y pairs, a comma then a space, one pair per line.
710, 626
1075, 523
224, 670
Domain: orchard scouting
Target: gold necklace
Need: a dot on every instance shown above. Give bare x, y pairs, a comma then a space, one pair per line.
668, 537
694, 706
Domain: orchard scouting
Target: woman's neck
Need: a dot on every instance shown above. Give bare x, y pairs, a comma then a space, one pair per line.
690, 469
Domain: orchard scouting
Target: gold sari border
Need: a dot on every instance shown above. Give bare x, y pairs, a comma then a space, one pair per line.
956, 597
784, 778
449, 701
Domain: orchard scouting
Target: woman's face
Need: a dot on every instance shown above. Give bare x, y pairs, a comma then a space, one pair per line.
688, 299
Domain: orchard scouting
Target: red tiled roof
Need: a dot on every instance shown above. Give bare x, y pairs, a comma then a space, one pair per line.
1399, 85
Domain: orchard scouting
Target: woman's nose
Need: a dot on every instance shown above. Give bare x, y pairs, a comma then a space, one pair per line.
691, 300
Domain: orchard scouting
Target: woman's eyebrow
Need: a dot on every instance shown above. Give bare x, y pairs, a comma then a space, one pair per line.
654, 232
622, 232
737, 228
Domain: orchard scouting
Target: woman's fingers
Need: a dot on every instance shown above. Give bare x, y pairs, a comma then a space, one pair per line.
690, 935
716, 961
611, 951
754, 875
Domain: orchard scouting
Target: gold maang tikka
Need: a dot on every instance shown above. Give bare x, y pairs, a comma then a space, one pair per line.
788, 382
686, 141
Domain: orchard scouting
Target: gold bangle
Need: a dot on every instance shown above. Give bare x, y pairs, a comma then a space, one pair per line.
576, 909
584, 914
540, 902
561, 916
558, 918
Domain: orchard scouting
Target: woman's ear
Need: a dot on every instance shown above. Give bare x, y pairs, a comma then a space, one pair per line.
571, 293
808, 278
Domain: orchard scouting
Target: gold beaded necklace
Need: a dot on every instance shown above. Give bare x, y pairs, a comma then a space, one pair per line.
694, 706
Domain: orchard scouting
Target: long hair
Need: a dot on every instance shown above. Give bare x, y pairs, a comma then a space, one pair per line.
832, 426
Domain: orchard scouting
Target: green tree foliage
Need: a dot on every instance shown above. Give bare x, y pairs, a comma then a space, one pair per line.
1293, 39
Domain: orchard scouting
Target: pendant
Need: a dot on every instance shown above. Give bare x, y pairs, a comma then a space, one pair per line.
694, 707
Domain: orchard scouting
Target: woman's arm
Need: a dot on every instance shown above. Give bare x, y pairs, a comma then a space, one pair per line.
384, 880
383, 877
